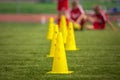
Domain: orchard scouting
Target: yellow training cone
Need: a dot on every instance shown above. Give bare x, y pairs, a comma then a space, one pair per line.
53, 43
63, 27
70, 44
60, 63
50, 29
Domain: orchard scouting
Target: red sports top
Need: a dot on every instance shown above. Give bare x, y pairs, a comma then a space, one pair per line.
100, 20
75, 13
62, 5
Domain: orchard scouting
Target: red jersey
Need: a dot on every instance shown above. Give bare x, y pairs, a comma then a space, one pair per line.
100, 20
75, 13
62, 5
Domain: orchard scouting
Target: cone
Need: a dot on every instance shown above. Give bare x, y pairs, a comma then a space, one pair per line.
70, 44
63, 27
50, 29
60, 63
53, 43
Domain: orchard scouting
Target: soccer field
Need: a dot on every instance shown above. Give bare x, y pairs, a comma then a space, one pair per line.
24, 47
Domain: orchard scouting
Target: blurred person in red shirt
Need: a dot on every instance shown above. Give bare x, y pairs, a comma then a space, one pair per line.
62, 8
98, 19
75, 13
62, 5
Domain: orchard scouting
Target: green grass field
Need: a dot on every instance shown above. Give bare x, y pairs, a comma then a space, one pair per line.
49, 8
23, 50
32, 8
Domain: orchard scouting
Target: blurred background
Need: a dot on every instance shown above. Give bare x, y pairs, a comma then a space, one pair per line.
49, 7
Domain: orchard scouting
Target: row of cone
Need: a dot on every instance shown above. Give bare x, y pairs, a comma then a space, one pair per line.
62, 39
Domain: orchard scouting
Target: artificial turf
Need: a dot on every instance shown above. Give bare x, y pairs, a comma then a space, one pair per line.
24, 47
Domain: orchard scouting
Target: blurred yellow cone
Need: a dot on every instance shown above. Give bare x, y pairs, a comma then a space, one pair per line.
50, 29
60, 63
53, 43
71, 43
63, 27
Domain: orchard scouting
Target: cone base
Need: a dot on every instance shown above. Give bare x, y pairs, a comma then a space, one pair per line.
50, 56
68, 72
73, 49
